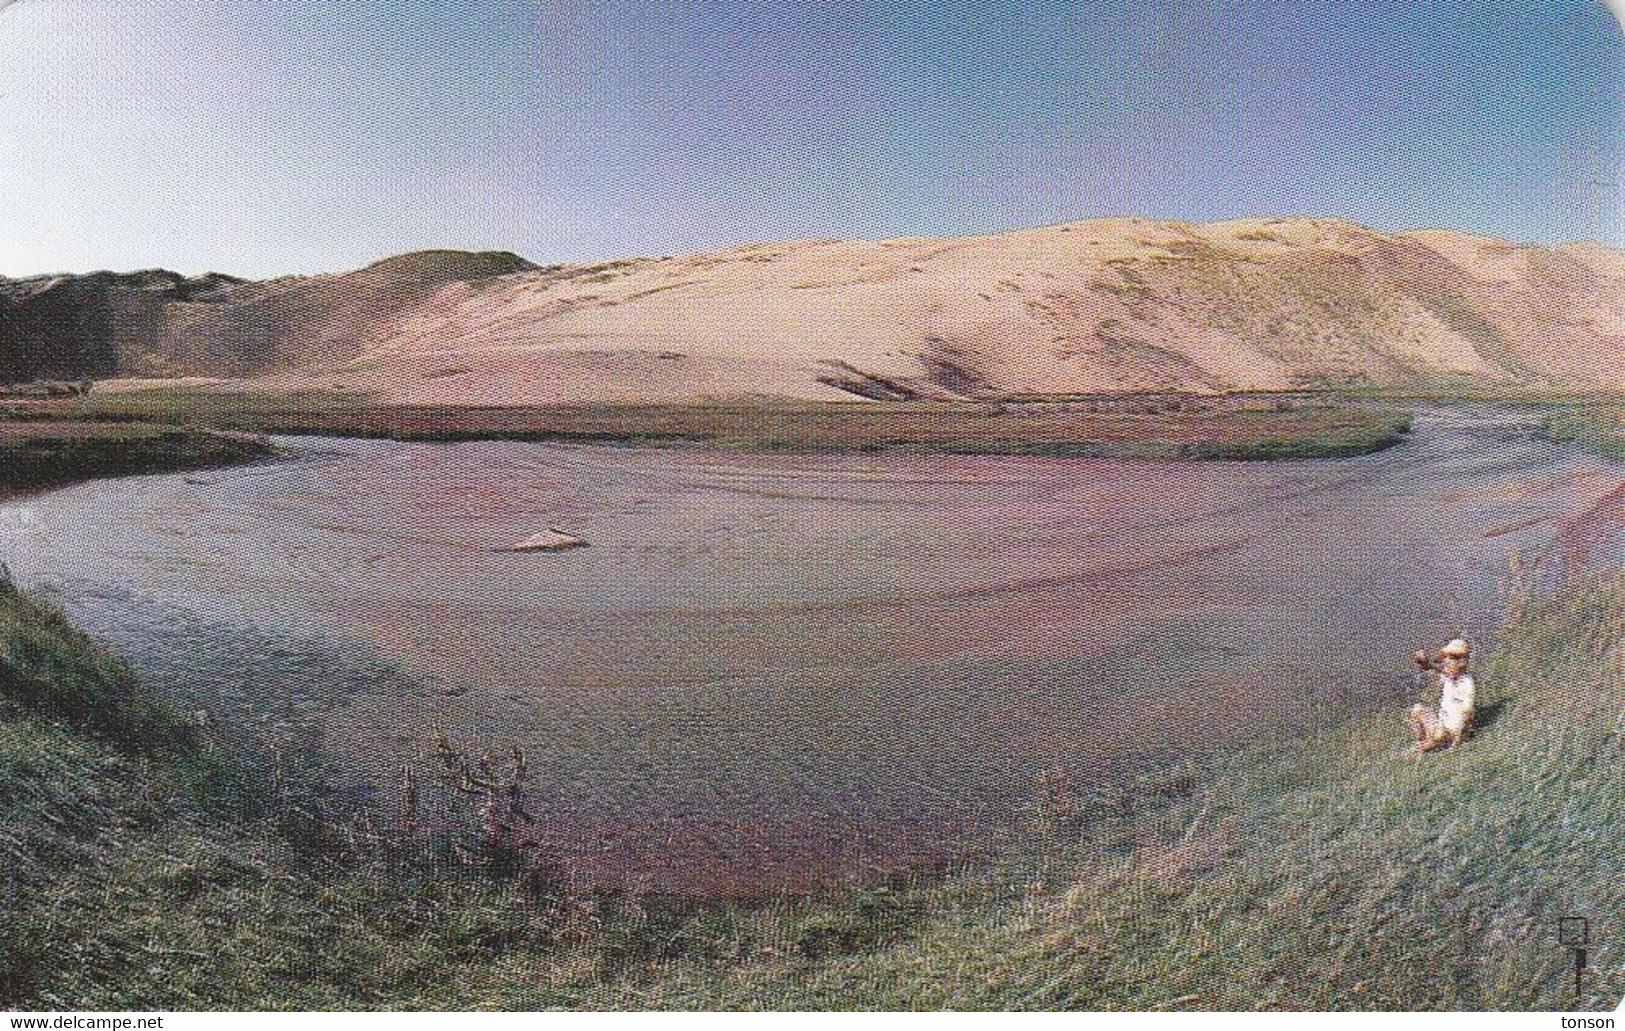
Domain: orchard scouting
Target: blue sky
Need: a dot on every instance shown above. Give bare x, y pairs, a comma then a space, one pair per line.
271, 136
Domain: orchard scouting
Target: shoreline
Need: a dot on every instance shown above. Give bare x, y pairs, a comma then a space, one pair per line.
41, 456
1598, 427
1146, 893
1140, 893
1168, 426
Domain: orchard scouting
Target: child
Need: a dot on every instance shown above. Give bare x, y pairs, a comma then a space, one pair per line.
1455, 715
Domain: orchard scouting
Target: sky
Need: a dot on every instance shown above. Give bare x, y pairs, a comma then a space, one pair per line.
264, 137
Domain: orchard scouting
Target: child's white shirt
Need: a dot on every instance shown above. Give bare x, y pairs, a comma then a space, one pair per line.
1455, 700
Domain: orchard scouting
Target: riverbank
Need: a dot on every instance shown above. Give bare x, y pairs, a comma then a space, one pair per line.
1168, 426
1599, 426
156, 863
38, 454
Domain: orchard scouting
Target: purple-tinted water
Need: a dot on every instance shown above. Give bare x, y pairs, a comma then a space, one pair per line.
770, 671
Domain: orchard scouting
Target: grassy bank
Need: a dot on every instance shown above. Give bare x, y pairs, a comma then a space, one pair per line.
1599, 426
1170, 426
152, 862
38, 454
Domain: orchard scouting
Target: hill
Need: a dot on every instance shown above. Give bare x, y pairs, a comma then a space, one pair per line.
1087, 307
1115, 305
159, 323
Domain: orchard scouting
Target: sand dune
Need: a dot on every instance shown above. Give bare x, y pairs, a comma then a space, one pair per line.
1114, 304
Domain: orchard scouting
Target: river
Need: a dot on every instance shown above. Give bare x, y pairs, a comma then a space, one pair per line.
770, 672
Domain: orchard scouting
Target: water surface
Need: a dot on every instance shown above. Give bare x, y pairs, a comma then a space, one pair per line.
773, 671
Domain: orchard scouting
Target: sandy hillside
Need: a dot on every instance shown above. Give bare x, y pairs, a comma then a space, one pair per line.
1108, 305
1116, 304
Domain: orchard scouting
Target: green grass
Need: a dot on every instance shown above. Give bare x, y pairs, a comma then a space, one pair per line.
1329, 873
52, 671
1449, 389
1599, 426
36, 454
153, 863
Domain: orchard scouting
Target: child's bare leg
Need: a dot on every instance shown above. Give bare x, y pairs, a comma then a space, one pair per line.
1419, 727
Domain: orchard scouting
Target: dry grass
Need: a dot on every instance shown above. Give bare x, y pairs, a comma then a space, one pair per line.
1138, 426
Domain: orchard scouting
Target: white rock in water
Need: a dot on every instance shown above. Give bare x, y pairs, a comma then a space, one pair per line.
550, 539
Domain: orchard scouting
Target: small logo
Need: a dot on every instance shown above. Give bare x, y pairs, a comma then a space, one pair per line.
1574, 934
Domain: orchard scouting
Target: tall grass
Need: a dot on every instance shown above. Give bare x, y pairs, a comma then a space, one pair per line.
1335, 871
50, 671
1599, 426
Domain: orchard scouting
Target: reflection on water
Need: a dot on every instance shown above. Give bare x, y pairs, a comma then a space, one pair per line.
770, 670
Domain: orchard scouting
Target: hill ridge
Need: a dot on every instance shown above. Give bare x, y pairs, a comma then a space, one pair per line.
1097, 305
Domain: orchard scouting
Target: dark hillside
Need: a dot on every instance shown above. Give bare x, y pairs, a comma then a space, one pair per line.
159, 323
